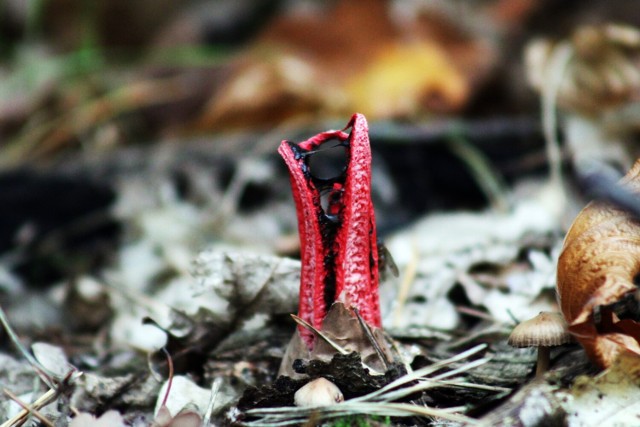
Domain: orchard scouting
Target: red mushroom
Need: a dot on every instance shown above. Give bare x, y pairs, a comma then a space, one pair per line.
337, 234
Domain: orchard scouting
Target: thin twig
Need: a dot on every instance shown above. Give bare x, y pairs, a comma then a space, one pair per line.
45, 375
415, 375
215, 388
372, 340
601, 182
337, 347
408, 277
30, 410
41, 402
170, 382
310, 327
556, 70
490, 182
282, 416
474, 312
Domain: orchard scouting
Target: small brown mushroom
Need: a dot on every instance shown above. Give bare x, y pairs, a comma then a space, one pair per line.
544, 331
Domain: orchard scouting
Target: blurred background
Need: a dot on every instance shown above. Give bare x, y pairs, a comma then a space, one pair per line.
137, 132
97, 93
133, 134
96, 75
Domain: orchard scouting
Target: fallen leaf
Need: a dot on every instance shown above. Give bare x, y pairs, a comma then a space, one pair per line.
186, 396
370, 61
444, 249
342, 327
597, 273
405, 79
231, 290
612, 398
52, 358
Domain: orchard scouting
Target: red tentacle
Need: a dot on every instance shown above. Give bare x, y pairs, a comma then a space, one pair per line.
343, 251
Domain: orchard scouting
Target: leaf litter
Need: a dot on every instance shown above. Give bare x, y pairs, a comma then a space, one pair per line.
465, 279
221, 304
227, 299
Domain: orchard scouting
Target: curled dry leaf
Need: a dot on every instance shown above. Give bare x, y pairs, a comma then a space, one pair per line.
343, 329
597, 276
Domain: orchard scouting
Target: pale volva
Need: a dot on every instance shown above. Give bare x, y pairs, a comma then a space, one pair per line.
319, 392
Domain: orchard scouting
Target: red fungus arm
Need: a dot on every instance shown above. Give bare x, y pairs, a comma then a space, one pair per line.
338, 247
356, 240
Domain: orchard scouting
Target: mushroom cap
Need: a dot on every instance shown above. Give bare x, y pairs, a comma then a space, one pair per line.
319, 392
547, 329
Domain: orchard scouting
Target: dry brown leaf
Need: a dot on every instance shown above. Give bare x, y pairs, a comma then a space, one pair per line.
355, 56
342, 327
597, 271
407, 78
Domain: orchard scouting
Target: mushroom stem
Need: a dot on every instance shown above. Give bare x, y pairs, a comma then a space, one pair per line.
544, 360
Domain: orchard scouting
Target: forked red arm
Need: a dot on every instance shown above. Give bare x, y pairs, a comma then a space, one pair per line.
338, 241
